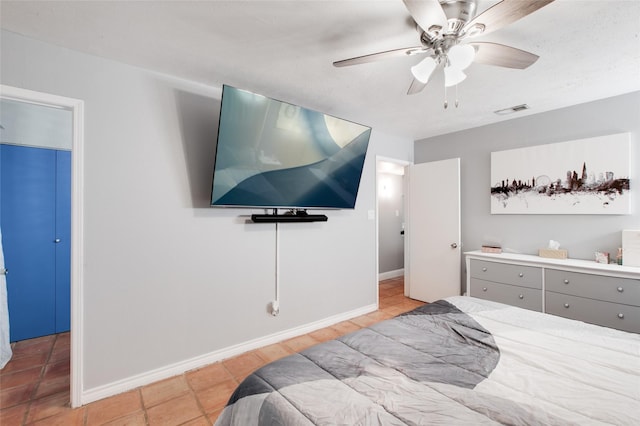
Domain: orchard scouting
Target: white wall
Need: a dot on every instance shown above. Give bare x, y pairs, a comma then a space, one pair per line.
168, 279
581, 235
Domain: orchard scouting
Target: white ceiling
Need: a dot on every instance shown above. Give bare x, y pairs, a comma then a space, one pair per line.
589, 49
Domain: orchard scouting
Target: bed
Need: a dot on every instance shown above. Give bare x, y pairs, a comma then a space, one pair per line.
459, 360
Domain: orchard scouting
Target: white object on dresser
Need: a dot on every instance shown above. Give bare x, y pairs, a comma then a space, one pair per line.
631, 247
607, 295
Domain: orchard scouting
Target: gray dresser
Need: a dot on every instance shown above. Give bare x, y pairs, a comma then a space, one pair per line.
513, 284
607, 295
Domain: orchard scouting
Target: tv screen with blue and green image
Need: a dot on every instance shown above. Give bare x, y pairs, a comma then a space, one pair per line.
273, 154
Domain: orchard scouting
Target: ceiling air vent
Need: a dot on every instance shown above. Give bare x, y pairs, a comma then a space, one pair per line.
511, 110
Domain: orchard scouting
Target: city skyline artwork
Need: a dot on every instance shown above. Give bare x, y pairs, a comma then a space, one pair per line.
586, 176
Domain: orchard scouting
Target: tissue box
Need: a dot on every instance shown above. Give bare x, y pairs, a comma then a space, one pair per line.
491, 249
553, 254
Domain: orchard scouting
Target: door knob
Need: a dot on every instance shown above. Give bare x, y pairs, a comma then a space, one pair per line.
454, 245
57, 240
4, 271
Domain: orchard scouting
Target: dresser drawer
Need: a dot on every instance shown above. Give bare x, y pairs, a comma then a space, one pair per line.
614, 315
525, 276
522, 297
611, 289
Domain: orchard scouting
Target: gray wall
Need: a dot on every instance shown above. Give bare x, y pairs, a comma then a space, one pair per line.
581, 235
390, 220
168, 279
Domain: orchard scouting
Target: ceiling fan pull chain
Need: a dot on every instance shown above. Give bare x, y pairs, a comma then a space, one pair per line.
456, 96
446, 104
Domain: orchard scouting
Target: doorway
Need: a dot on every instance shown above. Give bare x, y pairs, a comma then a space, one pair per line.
76, 107
35, 209
390, 218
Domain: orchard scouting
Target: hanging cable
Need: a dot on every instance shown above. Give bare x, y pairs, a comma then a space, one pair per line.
275, 305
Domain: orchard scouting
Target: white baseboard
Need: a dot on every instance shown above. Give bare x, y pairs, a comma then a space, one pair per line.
177, 368
390, 274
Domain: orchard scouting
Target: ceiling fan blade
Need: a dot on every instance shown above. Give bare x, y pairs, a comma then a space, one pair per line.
503, 56
502, 14
416, 87
395, 53
426, 13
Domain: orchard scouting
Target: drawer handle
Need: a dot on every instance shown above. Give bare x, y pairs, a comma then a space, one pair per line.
620, 289
484, 269
566, 281
566, 305
521, 275
484, 289
521, 296
621, 315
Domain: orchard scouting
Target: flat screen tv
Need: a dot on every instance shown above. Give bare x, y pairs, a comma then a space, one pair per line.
272, 154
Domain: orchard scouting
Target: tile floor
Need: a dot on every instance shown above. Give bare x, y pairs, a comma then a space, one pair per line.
34, 385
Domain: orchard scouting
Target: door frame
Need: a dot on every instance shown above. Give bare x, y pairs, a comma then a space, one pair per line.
403, 163
76, 106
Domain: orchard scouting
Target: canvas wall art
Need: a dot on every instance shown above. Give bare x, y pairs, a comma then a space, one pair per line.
586, 176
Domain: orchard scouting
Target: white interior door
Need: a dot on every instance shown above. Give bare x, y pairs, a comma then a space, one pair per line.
433, 230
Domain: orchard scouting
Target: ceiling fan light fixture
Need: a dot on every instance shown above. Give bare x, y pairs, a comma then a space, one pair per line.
461, 56
453, 76
422, 70
443, 24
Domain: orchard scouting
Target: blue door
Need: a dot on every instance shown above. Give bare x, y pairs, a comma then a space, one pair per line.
63, 241
35, 211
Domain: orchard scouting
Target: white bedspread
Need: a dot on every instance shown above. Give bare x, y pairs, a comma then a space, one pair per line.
577, 371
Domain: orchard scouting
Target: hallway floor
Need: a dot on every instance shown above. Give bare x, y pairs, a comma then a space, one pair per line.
34, 385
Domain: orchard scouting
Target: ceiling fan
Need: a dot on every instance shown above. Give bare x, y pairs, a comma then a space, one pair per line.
444, 26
